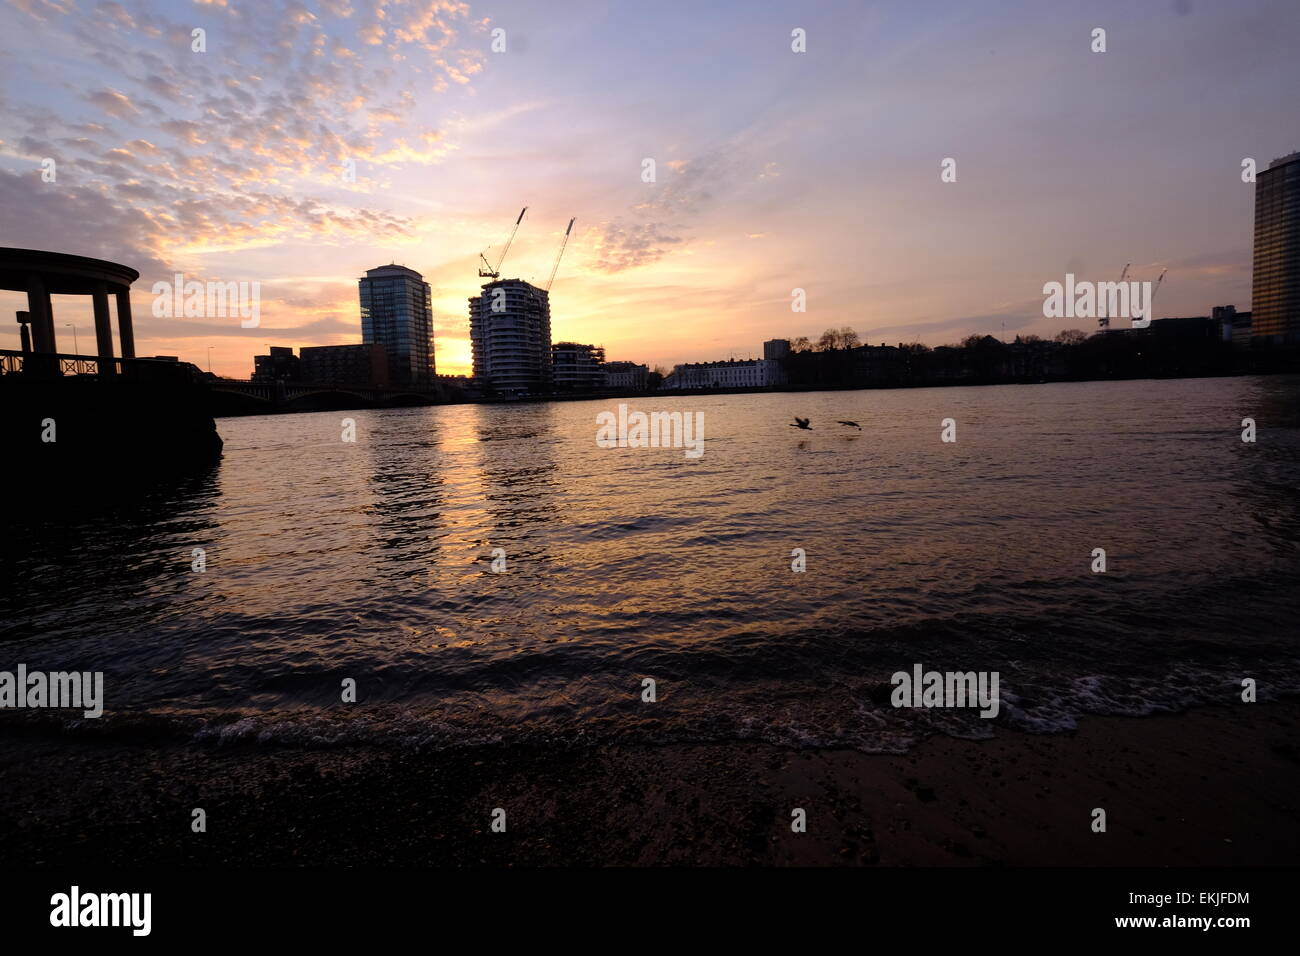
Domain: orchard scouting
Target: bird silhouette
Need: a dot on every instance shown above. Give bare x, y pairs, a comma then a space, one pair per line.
801, 423
854, 424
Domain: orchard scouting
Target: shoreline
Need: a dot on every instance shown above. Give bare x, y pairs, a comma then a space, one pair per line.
1210, 787
599, 395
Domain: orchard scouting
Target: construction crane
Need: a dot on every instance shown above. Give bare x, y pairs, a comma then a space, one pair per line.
1104, 321
563, 242
494, 272
1151, 303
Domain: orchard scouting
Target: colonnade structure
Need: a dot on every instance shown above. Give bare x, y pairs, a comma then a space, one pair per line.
44, 274
149, 417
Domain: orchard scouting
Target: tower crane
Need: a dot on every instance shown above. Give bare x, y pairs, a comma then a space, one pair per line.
1151, 302
494, 272
563, 242
1104, 321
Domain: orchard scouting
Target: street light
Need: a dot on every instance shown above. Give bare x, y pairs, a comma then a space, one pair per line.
209, 359
76, 349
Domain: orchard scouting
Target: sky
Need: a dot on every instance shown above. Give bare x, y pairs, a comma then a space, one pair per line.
775, 170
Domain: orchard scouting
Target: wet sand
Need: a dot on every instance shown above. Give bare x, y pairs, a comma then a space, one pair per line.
1211, 787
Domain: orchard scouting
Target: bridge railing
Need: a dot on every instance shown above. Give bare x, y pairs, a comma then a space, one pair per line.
244, 386
46, 365
295, 388
288, 391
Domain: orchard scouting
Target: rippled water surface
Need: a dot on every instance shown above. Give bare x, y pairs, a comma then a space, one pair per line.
372, 560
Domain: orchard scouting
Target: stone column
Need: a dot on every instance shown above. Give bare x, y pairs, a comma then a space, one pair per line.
124, 330
38, 304
103, 331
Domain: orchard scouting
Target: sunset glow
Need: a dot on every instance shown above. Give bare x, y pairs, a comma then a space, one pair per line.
817, 172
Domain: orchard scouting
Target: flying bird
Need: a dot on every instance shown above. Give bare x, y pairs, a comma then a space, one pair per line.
801, 423
854, 424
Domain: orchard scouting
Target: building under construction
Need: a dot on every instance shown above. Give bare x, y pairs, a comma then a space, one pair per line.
510, 333
510, 328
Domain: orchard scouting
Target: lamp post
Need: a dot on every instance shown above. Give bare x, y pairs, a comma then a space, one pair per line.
209, 359
76, 349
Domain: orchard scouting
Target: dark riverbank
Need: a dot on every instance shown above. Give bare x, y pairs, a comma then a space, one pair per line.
340, 402
146, 419
1211, 787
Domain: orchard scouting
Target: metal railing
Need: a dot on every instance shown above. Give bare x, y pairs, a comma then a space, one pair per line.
46, 365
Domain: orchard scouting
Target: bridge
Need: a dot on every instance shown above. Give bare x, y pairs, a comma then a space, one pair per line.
244, 396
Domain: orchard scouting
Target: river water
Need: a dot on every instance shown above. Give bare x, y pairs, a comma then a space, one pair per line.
373, 560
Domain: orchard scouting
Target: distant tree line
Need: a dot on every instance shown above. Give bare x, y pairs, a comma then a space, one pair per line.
846, 338
1168, 348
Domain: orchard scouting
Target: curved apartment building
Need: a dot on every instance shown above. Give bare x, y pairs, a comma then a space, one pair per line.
510, 334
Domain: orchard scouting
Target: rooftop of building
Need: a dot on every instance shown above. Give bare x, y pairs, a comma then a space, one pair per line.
512, 282
62, 274
721, 364
1283, 160
346, 345
392, 270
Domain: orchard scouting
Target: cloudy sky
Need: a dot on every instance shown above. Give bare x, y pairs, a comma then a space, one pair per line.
775, 170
